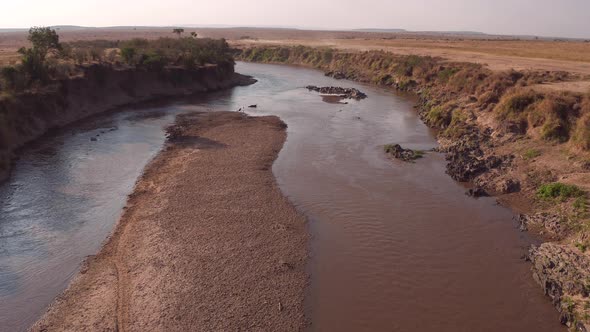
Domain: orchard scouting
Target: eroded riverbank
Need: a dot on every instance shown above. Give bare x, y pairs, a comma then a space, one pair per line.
207, 241
29, 115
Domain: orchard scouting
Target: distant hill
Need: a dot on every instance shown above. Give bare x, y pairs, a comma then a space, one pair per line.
380, 30
461, 33
468, 33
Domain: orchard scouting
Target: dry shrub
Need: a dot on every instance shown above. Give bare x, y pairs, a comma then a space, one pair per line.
513, 109
555, 113
80, 55
111, 55
552, 113
581, 133
459, 124
439, 117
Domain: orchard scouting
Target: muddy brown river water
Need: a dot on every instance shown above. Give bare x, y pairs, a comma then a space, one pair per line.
395, 246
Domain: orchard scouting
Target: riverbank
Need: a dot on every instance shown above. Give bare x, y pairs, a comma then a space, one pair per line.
504, 133
207, 240
28, 115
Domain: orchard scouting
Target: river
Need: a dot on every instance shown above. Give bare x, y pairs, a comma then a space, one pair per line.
395, 246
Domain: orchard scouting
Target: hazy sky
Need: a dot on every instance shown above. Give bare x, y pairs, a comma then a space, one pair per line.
567, 18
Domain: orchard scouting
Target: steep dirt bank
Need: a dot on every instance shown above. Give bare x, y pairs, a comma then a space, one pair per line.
524, 145
29, 115
207, 241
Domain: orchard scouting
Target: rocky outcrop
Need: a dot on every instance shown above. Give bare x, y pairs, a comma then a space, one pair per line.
467, 159
407, 155
508, 186
336, 75
564, 274
348, 93
548, 224
477, 192
29, 115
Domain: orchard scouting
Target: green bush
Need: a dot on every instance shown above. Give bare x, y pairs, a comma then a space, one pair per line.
439, 117
531, 154
446, 74
580, 205
10, 77
153, 62
582, 246
188, 51
44, 39
33, 65
458, 125
128, 55
513, 106
560, 191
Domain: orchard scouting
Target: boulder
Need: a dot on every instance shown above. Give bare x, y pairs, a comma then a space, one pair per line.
508, 186
349, 93
408, 155
564, 274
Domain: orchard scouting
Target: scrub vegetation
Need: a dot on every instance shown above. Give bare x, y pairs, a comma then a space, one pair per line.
49, 60
447, 89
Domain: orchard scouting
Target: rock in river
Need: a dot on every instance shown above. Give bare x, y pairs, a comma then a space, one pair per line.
349, 93
398, 152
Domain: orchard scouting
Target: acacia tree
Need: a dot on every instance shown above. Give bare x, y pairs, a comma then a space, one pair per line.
178, 31
44, 39
33, 65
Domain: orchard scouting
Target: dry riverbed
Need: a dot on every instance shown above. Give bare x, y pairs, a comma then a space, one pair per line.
207, 241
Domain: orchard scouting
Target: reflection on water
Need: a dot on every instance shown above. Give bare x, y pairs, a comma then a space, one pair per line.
61, 202
395, 246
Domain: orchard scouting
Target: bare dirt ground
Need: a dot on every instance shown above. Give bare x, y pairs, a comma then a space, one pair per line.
207, 241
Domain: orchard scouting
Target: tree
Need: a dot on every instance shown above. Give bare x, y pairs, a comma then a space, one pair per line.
194, 34
33, 64
128, 54
178, 31
10, 76
44, 39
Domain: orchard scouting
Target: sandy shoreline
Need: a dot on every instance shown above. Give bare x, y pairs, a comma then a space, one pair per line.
207, 241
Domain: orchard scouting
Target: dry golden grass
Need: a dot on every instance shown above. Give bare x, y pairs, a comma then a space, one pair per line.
498, 54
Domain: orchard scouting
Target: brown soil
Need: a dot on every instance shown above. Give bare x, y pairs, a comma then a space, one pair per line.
207, 241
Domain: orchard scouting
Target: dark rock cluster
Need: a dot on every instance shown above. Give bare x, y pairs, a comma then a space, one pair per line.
467, 160
564, 274
508, 186
408, 155
477, 192
548, 223
349, 93
336, 75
